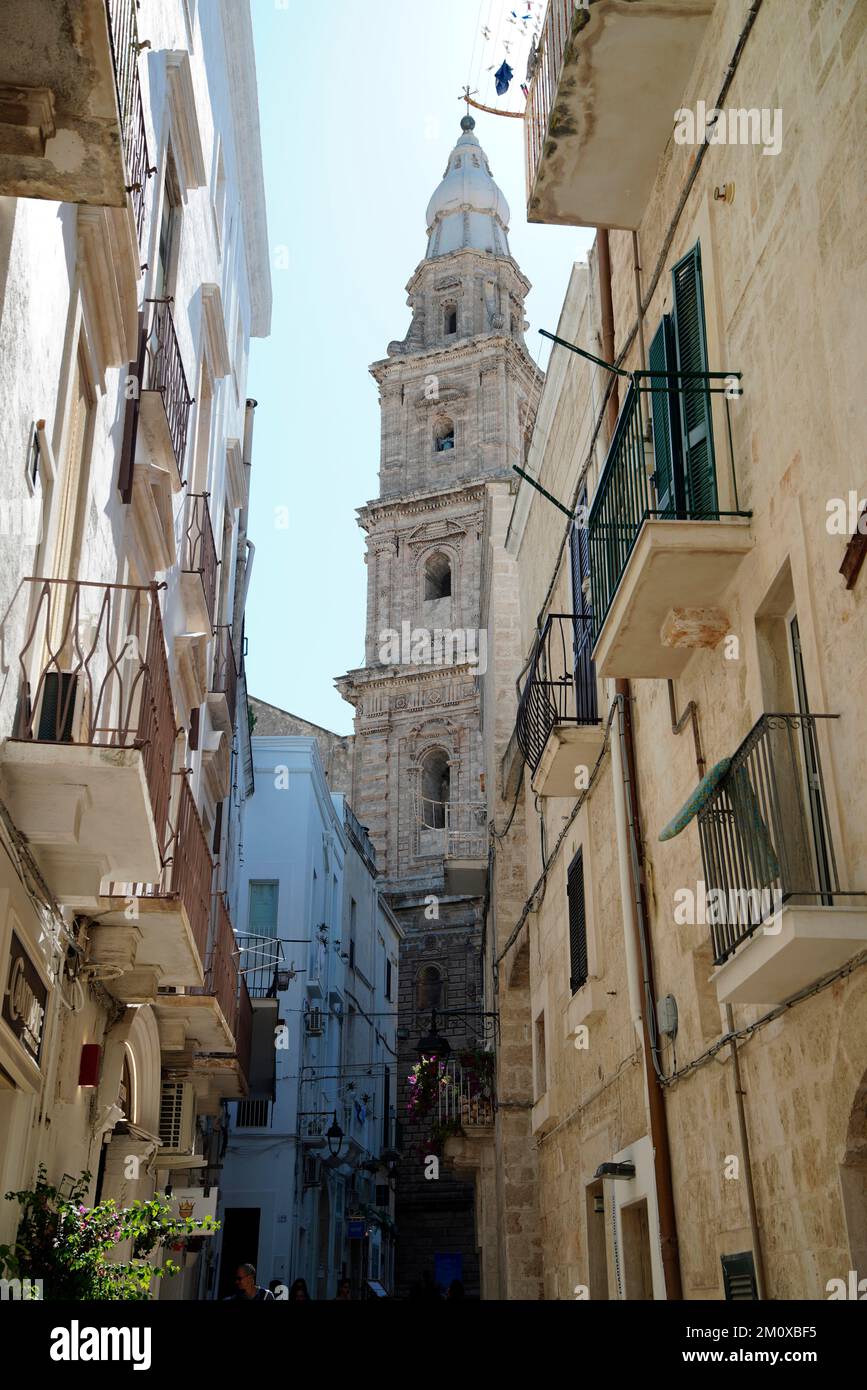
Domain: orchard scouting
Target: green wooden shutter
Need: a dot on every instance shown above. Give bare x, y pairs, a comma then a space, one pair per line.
739, 1277
586, 707
695, 412
577, 923
665, 413
263, 908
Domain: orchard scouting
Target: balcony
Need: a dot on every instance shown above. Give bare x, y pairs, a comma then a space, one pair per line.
558, 728
157, 933
659, 573
215, 1019
71, 115
261, 957
456, 832
358, 834
164, 405
199, 565
777, 923
608, 80
87, 768
223, 693
466, 1099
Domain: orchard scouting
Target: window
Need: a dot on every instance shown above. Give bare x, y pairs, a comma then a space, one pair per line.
585, 671
739, 1276
450, 319
435, 788
353, 914
685, 475
429, 989
540, 1058
444, 434
387, 978
218, 202
577, 923
262, 919
437, 578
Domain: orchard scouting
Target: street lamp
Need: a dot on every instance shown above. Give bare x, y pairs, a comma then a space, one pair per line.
334, 1135
432, 1045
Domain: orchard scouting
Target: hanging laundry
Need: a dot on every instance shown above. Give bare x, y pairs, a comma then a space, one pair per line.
503, 77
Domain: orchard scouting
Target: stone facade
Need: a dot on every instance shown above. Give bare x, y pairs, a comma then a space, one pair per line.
783, 265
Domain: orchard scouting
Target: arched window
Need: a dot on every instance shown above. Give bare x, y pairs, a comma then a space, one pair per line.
444, 434
435, 788
429, 992
437, 577
450, 319
125, 1095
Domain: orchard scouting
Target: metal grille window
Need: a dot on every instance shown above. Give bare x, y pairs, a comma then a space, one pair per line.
577, 923
253, 1114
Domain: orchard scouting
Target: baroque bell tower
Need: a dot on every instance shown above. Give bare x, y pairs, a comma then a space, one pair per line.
457, 396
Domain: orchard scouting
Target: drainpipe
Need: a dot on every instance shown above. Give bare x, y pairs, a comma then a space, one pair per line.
630, 945
641, 949
655, 1098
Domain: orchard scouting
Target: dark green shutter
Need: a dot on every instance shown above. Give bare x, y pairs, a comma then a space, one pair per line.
665, 413
695, 413
577, 923
584, 670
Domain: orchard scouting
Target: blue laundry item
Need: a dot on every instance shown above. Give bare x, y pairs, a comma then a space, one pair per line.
503, 77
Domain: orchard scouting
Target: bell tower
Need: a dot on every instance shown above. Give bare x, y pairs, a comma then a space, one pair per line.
457, 397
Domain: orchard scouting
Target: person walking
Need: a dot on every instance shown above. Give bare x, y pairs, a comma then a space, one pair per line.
344, 1292
246, 1288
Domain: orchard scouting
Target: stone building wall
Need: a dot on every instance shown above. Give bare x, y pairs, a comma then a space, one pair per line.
336, 750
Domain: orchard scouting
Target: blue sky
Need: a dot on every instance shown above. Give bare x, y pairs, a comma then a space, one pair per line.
359, 110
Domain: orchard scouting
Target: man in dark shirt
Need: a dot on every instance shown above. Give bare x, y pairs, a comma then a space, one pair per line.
246, 1287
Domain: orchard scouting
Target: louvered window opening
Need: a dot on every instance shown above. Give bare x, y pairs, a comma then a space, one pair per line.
171, 1113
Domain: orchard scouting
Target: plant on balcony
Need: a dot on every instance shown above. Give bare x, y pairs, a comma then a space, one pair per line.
425, 1082
69, 1246
478, 1072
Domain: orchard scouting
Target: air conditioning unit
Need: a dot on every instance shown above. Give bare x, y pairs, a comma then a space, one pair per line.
313, 1019
177, 1117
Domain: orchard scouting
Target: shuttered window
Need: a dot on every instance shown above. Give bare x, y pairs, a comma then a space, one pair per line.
577, 923
695, 412
263, 907
739, 1277
665, 413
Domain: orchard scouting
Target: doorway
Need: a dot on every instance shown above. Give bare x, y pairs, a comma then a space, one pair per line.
637, 1269
240, 1246
597, 1242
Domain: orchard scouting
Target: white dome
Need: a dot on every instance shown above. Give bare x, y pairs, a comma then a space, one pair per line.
468, 209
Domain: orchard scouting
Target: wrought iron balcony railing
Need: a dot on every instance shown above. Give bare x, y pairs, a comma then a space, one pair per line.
163, 371
464, 1098
560, 685
225, 678
93, 671
243, 1028
358, 833
125, 49
200, 550
626, 497
556, 32
260, 959
765, 832
221, 970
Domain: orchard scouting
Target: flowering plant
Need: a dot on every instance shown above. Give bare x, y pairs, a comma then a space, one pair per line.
69, 1246
427, 1078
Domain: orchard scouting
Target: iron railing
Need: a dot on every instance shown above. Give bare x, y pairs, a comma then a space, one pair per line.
553, 41
360, 837
94, 671
465, 1098
225, 678
253, 1114
454, 829
626, 494
765, 832
260, 958
221, 971
200, 550
164, 372
560, 685
125, 48
243, 1028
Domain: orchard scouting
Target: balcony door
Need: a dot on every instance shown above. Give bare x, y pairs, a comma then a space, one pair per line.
812, 774
582, 621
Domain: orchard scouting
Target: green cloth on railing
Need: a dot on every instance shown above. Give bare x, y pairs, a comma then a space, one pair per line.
697, 801
755, 841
